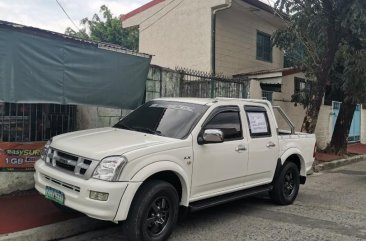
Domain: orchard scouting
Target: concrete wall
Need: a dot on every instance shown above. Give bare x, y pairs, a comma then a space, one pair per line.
323, 130
94, 117
236, 39
255, 90
88, 117
296, 112
15, 181
177, 33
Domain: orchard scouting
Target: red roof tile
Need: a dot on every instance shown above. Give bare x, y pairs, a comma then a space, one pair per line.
141, 9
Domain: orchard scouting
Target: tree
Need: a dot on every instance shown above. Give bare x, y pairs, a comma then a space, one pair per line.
349, 72
312, 28
326, 39
106, 29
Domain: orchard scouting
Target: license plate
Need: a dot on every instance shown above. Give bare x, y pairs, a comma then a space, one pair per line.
55, 195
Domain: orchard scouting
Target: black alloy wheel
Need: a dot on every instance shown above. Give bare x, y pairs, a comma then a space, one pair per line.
286, 185
153, 213
289, 183
157, 216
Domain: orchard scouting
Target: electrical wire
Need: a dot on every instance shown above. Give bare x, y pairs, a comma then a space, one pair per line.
180, 3
67, 15
161, 9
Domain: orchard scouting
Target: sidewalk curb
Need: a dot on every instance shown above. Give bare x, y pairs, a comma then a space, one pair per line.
338, 163
57, 230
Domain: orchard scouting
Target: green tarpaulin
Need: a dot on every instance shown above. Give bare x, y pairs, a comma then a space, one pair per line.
38, 66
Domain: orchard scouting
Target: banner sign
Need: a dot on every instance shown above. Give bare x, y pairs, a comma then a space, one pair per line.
16, 157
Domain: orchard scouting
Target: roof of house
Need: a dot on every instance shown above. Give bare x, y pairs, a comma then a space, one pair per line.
284, 71
141, 9
255, 3
51, 34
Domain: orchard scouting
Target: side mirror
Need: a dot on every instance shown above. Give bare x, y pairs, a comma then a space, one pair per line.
211, 136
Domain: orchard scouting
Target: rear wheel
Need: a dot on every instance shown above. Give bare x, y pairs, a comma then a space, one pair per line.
286, 184
153, 213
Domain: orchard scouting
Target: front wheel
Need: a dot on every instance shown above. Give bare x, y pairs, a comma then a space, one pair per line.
153, 213
286, 184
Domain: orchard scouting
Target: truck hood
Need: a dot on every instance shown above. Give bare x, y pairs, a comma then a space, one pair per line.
99, 143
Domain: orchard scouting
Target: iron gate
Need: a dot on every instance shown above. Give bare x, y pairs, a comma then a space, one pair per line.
35, 122
205, 85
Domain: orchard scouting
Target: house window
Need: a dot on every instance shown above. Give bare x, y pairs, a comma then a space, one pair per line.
301, 85
264, 47
267, 95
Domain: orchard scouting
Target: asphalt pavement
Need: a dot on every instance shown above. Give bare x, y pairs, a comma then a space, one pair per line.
331, 206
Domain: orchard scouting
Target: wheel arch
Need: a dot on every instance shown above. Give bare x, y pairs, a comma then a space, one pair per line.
294, 155
164, 170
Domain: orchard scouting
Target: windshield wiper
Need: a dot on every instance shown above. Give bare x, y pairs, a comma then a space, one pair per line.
123, 126
147, 130
138, 128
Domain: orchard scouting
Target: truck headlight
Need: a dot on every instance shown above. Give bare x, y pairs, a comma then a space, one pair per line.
45, 150
110, 168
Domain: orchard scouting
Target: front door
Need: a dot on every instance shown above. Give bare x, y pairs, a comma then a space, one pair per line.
221, 166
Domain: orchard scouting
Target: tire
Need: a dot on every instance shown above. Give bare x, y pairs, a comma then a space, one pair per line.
286, 185
153, 213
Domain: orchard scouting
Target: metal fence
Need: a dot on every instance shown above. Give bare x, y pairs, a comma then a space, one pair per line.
205, 85
35, 122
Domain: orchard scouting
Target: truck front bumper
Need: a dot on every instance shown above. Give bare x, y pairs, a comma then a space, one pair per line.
76, 191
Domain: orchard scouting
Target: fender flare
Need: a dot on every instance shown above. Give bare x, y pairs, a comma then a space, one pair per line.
294, 151
162, 166
140, 176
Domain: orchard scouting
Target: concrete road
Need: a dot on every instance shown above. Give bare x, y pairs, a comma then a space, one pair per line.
331, 206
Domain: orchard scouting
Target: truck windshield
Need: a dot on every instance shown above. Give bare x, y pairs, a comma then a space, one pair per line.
164, 118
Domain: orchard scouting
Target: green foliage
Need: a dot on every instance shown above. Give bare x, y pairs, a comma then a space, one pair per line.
106, 29
305, 43
333, 36
303, 96
349, 70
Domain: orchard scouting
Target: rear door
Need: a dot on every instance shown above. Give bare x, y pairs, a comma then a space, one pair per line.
263, 145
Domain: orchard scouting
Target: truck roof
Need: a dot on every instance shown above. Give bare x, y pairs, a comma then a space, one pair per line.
209, 101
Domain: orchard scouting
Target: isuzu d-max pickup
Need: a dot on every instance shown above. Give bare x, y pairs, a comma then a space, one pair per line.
175, 154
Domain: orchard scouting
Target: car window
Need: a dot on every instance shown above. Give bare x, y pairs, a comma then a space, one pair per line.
258, 122
165, 118
229, 123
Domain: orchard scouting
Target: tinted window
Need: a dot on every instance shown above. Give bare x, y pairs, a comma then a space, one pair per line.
165, 118
229, 123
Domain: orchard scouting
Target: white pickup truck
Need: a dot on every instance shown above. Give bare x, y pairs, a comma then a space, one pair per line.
173, 153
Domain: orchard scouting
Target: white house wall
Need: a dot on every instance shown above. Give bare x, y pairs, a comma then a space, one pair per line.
179, 35
236, 40
323, 130
296, 112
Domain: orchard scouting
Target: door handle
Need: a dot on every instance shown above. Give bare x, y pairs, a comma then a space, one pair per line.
270, 144
240, 148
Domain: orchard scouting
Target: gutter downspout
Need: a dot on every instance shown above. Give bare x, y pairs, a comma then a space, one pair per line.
215, 10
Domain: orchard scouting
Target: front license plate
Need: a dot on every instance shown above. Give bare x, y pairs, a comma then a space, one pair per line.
55, 195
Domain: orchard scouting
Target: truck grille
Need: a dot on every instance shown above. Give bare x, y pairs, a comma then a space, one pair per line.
79, 166
64, 184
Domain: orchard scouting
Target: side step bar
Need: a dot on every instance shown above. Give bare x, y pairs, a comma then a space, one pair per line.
214, 201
